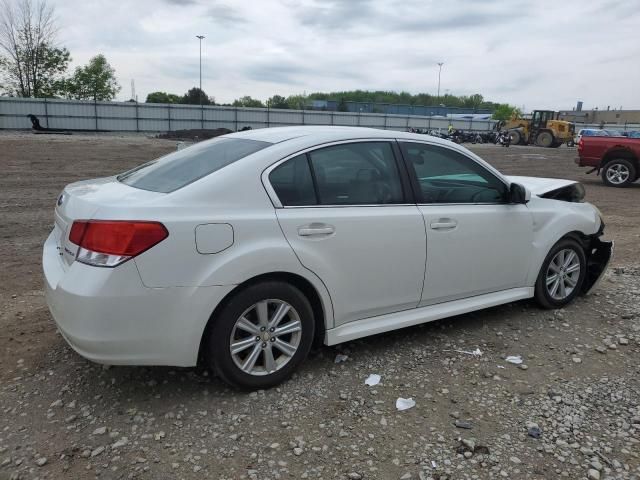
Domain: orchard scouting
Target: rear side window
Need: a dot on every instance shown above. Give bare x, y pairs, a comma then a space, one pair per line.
183, 167
363, 173
293, 183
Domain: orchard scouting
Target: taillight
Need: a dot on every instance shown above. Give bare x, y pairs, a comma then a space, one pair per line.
580, 144
106, 243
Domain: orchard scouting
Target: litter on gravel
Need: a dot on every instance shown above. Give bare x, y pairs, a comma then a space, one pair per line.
341, 358
373, 379
515, 359
475, 353
405, 403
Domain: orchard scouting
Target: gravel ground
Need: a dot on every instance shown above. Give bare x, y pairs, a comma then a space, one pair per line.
571, 409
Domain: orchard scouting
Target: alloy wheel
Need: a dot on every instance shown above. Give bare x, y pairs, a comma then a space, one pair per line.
265, 337
617, 173
563, 274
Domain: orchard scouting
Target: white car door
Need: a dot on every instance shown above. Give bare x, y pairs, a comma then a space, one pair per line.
477, 242
346, 215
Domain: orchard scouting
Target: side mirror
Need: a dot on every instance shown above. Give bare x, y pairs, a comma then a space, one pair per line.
518, 194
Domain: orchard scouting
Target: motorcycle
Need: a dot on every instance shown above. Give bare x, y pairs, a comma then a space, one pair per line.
503, 139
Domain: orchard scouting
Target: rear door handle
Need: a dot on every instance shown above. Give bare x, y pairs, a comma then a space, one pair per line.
443, 224
316, 229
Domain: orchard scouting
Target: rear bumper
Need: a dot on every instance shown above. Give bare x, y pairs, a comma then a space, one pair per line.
108, 316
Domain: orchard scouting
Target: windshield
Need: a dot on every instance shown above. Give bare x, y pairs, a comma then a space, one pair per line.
180, 168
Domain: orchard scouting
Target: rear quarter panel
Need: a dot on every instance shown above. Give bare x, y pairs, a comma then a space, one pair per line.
235, 196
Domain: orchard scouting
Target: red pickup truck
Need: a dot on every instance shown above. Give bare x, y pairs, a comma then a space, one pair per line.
617, 159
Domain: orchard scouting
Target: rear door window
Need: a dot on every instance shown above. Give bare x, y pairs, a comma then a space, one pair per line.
363, 173
180, 168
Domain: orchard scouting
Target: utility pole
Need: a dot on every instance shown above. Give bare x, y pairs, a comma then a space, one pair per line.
200, 37
439, 71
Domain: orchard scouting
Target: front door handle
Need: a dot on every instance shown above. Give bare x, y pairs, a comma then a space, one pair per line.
314, 229
443, 224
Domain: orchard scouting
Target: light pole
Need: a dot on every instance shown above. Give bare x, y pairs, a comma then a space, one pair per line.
439, 71
200, 37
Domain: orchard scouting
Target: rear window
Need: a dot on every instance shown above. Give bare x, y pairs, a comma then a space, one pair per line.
182, 167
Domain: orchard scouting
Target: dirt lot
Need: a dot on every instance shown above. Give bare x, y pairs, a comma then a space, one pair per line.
572, 410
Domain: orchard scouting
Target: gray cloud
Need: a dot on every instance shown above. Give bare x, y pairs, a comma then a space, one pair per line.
291, 73
224, 14
336, 14
182, 3
510, 52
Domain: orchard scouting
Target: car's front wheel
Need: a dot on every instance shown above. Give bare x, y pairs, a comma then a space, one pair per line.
562, 274
261, 335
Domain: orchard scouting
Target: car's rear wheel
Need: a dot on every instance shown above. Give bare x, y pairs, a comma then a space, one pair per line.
261, 335
562, 274
619, 173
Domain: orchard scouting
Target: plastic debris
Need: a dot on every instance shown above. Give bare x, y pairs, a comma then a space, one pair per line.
515, 359
373, 379
405, 403
341, 358
474, 353
463, 424
534, 432
434, 464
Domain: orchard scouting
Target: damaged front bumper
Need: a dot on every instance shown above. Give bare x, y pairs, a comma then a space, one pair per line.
599, 257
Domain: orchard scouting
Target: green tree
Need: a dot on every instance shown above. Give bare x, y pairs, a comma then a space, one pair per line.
505, 111
96, 81
297, 102
247, 101
193, 96
277, 101
473, 101
30, 63
162, 97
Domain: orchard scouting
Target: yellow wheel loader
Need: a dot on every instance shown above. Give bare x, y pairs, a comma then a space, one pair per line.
543, 129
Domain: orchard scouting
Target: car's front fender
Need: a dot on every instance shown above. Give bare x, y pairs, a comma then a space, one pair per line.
553, 220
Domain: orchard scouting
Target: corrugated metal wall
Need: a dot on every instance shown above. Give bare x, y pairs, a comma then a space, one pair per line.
154, 117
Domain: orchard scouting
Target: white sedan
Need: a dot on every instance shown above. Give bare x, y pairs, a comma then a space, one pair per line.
244, 250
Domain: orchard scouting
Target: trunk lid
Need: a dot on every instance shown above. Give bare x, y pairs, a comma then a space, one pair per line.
81, 201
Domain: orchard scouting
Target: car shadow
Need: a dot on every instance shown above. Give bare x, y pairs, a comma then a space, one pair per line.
121, 388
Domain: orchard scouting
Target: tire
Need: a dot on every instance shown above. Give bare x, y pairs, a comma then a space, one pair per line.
619, 173
571, 143
566, 258
544, 139
515, 137
255, 340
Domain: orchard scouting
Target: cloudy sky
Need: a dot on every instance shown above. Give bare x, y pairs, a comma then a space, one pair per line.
542, 54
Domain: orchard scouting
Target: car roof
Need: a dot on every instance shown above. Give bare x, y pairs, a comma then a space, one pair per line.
329, 133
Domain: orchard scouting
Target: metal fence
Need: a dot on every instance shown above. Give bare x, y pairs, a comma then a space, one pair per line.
155, 117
